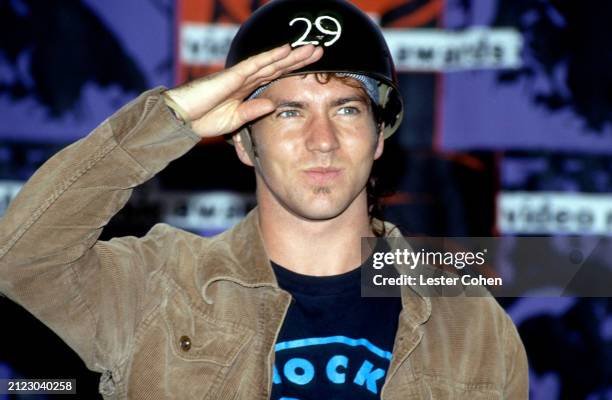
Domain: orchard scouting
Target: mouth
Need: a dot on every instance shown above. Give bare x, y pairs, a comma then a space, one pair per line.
322, 175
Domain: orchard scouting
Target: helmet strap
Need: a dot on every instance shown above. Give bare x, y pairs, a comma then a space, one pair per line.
249, 146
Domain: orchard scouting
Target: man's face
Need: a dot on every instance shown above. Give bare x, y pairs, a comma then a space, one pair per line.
316, 150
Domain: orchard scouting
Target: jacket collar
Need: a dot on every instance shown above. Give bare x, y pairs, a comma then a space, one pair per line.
414, 299
238, 255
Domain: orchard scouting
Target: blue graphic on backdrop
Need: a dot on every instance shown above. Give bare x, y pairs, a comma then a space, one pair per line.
336, 366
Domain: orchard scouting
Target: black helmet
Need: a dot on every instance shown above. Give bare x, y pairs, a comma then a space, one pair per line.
353, 43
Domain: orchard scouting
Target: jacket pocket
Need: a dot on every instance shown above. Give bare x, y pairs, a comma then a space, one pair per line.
182, 353
431, 387
194, 336
434, 387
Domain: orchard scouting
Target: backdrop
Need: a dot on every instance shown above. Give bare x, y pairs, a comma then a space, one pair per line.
508, 131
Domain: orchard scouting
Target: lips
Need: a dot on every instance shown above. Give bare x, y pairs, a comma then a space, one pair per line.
322, 175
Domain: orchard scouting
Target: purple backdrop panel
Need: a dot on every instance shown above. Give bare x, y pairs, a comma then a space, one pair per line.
480, 113
72, 64
557, 99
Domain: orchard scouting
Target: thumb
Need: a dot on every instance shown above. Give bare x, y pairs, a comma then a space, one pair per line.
255, 108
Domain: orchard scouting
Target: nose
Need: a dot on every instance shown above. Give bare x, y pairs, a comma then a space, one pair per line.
322, 135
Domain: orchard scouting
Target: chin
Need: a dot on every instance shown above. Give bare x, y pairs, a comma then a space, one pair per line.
318, 209
318, 215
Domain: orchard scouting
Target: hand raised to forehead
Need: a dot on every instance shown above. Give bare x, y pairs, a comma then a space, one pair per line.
215, 104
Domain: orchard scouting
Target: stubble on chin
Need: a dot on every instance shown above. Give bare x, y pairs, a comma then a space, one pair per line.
321, 190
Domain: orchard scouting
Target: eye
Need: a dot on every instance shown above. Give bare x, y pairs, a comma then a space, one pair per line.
348, 111
288, 114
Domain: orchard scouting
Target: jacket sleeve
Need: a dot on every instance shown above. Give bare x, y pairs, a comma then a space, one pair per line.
51, 262
517, 377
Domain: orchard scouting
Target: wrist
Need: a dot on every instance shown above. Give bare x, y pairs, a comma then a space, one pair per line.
178, 111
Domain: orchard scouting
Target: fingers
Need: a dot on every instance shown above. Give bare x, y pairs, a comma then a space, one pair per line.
255, 63
287, 63
264, 80
279, 69
268, 57
314, 56
253, 109
258, 72
285, 66
219, 100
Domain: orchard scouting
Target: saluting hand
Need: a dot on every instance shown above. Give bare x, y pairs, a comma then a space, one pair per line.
215, 104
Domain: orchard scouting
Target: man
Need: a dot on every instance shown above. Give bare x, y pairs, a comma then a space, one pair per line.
272, 307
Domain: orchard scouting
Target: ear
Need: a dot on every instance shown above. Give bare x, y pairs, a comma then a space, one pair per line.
243, 149
380, 144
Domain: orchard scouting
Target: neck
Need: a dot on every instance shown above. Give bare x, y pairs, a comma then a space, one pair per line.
314, 247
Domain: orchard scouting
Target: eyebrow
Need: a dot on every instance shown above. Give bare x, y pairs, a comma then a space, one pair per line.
345, 100
338, 102
289, 104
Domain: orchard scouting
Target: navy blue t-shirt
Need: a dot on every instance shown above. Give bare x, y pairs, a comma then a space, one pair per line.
334, 344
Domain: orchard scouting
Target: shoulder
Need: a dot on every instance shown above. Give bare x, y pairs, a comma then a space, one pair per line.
476, 332
480, 314
161, 235
161, 244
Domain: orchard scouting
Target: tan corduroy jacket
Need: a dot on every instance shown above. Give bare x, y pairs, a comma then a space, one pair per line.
175, 315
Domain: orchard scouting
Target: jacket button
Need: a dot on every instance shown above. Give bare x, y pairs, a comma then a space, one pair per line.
185, 343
